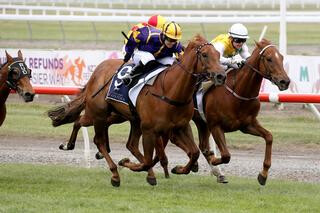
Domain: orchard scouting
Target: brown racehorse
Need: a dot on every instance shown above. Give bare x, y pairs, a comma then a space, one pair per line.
14, 75
236, 105
158, 116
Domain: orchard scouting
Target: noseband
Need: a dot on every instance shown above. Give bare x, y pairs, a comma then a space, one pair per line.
12, 82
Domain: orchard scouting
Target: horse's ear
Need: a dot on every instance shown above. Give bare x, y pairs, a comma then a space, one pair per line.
9, 58
20, 54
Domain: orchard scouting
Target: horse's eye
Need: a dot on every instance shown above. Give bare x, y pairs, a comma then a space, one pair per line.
269, 59
204, 55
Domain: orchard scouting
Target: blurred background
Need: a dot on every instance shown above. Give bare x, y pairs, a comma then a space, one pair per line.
97, 24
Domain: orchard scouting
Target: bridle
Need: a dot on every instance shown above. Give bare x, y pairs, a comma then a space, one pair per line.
266, 76
202, 75
12, 81
261, 56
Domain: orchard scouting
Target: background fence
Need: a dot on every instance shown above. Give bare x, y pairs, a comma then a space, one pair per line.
184, 4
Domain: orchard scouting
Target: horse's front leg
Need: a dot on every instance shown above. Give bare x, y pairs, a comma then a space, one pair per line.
206, 147
219, 137
3, 112
133, 146
256, 129
183, 138
149, 139
161, 155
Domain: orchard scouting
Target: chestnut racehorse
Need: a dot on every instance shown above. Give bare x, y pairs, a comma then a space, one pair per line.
236, 105
14, 75
157, 116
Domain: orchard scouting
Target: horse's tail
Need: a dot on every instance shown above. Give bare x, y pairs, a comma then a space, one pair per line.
69, 112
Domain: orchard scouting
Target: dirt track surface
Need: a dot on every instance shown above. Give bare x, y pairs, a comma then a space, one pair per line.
286, 164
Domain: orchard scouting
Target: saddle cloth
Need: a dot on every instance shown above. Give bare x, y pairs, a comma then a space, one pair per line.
121, 93
198, 98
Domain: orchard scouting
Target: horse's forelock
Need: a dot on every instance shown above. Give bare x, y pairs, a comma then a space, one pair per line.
264, 42
196, 41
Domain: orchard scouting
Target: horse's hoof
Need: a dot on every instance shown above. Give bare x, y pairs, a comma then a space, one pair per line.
99, 156
70, 147
115, 183
61, 147
175, 170
166, 175
195, 168
152, 181
123, 161
262, 180
222, 179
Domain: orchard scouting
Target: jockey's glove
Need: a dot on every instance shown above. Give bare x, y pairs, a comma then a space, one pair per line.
126, 58
238, 61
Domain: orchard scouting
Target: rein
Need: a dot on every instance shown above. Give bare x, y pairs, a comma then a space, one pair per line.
257, 71
204, 74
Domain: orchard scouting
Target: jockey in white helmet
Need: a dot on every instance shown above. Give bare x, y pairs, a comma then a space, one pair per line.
232, 46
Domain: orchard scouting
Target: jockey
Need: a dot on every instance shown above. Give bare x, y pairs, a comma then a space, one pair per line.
149, 46
232, 46
156, 21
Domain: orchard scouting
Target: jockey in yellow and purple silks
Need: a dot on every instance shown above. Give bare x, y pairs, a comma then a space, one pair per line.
232, 47
149, 46
156, 21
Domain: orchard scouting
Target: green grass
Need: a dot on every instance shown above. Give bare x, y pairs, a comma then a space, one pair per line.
111, 32
30, 120
37, 188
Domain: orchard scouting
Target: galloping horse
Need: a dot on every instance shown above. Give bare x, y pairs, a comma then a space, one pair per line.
14, 75
157, 116
236, 105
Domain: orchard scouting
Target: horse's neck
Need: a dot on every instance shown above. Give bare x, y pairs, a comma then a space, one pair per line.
4, 93
181, 83
246, 82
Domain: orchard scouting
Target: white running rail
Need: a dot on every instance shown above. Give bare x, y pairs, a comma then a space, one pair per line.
48, 13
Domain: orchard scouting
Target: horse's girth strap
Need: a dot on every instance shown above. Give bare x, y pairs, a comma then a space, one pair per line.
171, 102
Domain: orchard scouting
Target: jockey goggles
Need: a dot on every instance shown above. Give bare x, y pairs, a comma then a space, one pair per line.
239, 40
171, 40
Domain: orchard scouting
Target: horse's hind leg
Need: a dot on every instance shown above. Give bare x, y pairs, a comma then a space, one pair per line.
72, 140
256, 129
183, 138
99, 140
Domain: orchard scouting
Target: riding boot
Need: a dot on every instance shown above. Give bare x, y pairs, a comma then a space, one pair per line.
137, 70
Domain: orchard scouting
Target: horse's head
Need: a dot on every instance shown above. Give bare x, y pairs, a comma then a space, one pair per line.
270, 64
205, 59
18, 76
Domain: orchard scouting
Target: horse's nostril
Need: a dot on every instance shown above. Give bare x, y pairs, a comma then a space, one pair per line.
284, 82
27, 94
